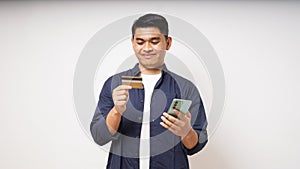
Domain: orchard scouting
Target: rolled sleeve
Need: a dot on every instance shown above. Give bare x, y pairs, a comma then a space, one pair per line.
98, 127
202, 141
100, 132
199, 122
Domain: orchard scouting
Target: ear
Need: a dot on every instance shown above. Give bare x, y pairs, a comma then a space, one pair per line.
169, 42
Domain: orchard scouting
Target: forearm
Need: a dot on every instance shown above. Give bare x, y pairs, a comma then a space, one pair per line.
191, 139
113, 120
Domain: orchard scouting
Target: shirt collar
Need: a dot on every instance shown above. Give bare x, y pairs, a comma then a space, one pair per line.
136, 70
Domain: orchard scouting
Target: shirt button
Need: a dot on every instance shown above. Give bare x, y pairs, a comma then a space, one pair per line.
141, 100
139, 118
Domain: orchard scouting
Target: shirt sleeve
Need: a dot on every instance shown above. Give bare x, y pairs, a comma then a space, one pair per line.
98, 127
199, 122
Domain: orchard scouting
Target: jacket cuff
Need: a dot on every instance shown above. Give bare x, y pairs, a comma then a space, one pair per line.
104, 136
202, 141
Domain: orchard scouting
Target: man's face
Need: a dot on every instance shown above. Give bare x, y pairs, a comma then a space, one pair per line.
150, 47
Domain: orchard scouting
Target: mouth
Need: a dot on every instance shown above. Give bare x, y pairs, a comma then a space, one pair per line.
148, 56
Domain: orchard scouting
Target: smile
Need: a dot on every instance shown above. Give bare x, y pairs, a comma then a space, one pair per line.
148, 56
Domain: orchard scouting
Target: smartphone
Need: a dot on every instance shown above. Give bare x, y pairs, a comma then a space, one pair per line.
180, 105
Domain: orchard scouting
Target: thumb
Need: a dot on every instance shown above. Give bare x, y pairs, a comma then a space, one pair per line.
188, 115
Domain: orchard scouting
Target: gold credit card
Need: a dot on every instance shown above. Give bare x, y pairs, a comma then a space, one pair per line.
133, 81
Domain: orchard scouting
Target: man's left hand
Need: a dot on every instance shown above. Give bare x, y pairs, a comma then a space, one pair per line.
180, 126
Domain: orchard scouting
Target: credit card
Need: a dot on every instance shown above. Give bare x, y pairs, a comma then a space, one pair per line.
133, 81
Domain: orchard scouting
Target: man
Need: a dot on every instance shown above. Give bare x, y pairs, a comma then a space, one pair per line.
142, 134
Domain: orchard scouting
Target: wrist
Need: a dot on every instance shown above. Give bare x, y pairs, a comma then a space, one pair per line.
115, 111
112, 120
190, 140
190, 133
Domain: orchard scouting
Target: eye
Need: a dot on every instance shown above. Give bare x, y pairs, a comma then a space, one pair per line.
139, 42
155, 42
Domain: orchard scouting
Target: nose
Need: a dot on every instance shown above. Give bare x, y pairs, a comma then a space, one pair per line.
147, 47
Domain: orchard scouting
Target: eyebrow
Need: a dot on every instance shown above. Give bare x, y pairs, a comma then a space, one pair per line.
141, 39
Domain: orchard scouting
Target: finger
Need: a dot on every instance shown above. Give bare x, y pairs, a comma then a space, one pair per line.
120, 103
169, 117
121, 92
179, 114
188, 115
166, 121
179, 123
174, 120
121, 89
164, 125
173, 128
176, 112
121, 97
124, 87
170, 125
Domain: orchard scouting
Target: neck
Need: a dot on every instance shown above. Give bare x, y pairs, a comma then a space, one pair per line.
150, 71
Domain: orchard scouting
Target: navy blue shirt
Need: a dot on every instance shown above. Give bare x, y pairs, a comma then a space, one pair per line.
166, 149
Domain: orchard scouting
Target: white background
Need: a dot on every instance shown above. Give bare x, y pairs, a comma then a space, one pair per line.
257, 44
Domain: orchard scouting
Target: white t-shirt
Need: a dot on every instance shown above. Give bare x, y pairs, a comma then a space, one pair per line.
149, 82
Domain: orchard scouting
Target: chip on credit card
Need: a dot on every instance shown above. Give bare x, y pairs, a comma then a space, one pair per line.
133, 81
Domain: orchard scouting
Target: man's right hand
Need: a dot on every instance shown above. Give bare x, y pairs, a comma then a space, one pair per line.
120, 97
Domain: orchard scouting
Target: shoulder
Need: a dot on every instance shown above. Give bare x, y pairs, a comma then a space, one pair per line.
187, 87
181, 81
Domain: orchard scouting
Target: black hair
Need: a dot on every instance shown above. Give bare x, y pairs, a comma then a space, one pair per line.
151, 20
